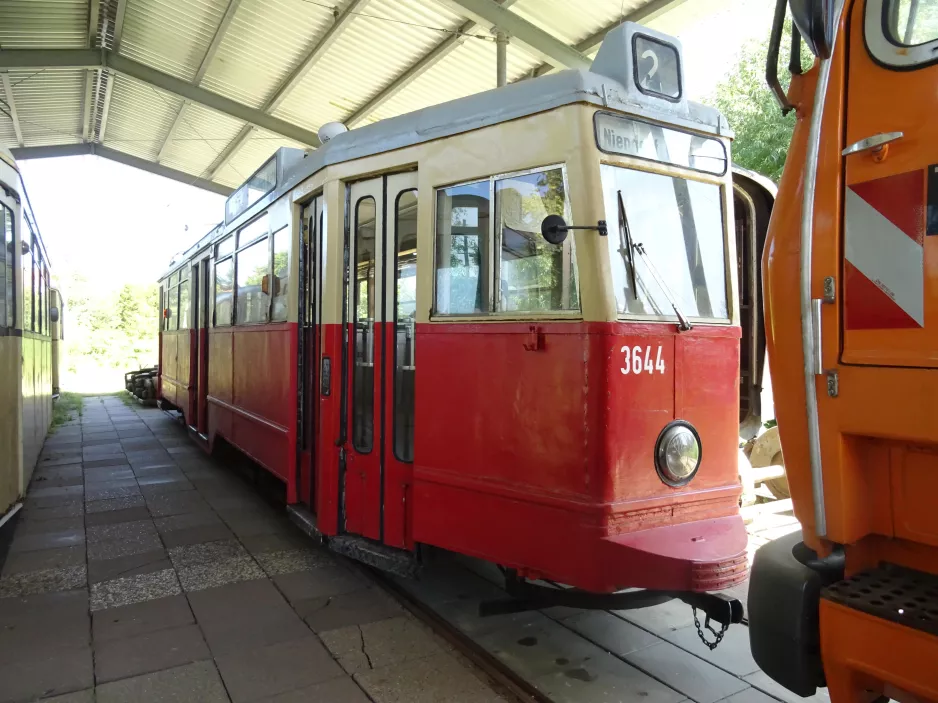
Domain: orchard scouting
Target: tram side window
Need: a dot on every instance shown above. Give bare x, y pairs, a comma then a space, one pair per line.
184, 298
253, 299
40, 298
463, 259
405, 313
224, 290
6, 267
363, 384
533, 275
281, 253
28, 283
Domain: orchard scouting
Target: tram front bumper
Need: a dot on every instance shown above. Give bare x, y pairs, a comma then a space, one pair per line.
699, 556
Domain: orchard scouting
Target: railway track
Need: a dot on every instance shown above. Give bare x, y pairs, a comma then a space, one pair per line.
559, 655
497, 671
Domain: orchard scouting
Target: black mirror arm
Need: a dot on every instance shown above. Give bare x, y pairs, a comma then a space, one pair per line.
599, 227
771, 66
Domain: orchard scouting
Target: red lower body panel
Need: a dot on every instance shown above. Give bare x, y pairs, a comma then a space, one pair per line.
252, 395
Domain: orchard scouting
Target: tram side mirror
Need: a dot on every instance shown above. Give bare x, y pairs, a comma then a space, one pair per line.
53, 314
554, 229
814, 20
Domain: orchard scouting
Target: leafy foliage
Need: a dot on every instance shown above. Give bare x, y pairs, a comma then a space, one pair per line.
66, 408
107, 330
762, 132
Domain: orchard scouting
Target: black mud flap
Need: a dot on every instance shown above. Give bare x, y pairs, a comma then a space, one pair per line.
784, 599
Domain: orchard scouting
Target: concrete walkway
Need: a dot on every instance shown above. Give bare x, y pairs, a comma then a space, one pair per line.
140, 570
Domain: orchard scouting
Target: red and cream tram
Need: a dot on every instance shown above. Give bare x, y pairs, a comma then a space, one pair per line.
507, 326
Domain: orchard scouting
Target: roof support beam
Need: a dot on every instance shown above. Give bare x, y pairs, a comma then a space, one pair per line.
88, 97
290, 82
8, 92
230, 12
86, 106
50, 58
81, 58
417, 69
647, 13
533, 38
115, 47
49, 152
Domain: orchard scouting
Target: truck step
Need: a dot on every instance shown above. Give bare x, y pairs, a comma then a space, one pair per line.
904, 596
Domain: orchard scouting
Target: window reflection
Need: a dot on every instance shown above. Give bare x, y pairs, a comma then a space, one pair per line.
363, 385
281, 273
533, 275
224, 289
462, 249
253, 301
680, 224
405, 316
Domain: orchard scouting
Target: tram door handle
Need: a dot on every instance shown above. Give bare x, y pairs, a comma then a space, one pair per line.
535, 339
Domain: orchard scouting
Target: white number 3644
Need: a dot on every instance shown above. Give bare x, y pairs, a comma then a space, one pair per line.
639, 360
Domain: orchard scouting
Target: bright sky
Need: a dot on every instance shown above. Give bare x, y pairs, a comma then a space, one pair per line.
118, 224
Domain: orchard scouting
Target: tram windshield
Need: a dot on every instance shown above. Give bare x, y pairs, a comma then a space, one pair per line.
678, 223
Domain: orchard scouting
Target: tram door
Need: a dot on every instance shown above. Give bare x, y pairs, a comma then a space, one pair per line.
381, 312
202, 292
310, 349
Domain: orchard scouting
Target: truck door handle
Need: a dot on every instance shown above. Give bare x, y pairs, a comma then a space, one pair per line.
877, 141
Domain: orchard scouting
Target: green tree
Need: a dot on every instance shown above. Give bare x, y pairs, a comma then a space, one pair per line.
762, 132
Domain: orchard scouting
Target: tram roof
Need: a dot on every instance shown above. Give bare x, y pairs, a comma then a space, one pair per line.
205, 90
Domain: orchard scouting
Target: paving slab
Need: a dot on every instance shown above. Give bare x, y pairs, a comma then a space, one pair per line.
129, 565
341, 690
438, 677
141, 618
149, 652
697, 679
275, 669
46, 674
357, 607
183, 684
44, 559
388, 642
134, 589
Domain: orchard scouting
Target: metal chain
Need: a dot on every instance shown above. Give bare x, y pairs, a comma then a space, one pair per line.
700, 633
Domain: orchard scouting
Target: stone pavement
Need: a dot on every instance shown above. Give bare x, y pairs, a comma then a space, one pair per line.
141, 570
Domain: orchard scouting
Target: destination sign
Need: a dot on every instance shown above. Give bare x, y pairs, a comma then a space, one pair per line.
621, 135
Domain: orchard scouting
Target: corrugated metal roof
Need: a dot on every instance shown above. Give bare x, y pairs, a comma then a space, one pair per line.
171, 35
49, 105
251, 56
138, 116
202, 135
45, 24
264, 42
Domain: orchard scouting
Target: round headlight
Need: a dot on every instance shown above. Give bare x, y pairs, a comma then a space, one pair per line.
677, 453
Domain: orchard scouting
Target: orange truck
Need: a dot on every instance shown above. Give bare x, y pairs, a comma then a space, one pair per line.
850, 274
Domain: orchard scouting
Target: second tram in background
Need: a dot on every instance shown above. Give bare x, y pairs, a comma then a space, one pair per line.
507, 326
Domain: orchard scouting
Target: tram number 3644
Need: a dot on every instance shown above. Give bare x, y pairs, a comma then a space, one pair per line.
639, 360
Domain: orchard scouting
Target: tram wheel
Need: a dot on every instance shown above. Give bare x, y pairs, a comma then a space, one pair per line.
767, 451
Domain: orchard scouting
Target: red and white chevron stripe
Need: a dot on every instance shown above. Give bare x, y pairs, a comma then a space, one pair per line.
884, 286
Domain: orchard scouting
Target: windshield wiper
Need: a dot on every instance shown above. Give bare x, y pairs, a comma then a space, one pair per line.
624, 232
625, 239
